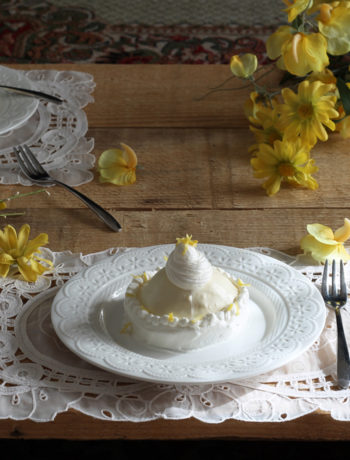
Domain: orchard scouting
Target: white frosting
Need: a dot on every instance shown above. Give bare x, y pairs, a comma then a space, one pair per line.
180, 333
188, 304
188, 268
161, 297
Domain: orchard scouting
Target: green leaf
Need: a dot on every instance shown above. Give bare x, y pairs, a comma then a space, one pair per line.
344, 93
298, 21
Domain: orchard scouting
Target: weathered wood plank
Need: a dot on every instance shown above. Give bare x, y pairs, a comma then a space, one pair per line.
161, 96
311, 427
200, 169
81, 231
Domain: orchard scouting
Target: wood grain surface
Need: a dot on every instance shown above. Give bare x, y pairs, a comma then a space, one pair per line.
194, 177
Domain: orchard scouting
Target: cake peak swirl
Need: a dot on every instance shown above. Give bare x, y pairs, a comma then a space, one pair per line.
187, 267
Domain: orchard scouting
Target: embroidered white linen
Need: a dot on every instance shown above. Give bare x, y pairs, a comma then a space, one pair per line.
41, 377
56, 133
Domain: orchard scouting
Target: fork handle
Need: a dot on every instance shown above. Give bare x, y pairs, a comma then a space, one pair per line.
343, 361
97, 209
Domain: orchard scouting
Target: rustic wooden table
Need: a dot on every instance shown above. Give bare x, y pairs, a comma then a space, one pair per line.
195, 178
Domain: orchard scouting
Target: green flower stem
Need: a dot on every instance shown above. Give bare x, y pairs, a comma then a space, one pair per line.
250, 81
8, 214
20, 195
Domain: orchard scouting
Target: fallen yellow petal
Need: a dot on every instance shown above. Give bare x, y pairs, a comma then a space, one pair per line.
118, 166
343, 233
322, 233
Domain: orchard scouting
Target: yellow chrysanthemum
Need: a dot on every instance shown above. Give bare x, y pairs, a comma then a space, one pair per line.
321, 243
20, 252
3, 204
118, 166
306, 113
297, 52
334, 24
325, 76
343, 126
296, 7
284, 162
243, 66
265, 124
252, 105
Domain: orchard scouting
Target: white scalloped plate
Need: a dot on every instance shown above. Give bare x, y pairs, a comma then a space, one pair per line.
15, 109
287, 315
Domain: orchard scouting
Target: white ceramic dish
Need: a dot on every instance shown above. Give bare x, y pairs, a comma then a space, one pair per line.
15, 109
287, 316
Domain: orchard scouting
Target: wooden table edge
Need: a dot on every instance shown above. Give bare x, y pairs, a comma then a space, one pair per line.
316, 426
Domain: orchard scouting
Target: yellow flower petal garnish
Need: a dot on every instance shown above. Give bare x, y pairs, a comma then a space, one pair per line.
186, 241
322, 243
171, 317
126, 328
118, 166
20, 252
241, 283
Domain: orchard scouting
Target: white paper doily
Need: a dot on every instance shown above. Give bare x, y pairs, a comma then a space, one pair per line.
40, 377
56, 133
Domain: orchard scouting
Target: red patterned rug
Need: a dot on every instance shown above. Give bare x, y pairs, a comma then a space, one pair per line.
39, 32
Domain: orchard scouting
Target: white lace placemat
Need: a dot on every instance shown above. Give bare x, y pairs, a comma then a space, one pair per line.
56, 133
40, 377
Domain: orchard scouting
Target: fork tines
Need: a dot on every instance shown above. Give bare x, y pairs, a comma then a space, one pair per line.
29, 165
335, 295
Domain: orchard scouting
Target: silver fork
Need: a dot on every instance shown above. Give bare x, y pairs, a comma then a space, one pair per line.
33, 170
32, 93
336, 299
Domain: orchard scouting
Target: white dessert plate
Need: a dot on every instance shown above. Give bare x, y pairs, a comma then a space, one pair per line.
15, 109
287, 314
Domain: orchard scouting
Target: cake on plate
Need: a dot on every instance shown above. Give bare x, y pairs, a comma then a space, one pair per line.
186, 305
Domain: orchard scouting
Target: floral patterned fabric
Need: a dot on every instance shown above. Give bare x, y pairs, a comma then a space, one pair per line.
40, 32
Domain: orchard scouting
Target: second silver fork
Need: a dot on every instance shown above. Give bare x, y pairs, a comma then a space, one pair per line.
33, 170
336, 299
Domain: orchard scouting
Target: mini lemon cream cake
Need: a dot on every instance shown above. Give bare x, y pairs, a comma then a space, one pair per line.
186, 305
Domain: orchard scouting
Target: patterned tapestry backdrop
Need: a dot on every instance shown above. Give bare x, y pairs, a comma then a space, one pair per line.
38, 31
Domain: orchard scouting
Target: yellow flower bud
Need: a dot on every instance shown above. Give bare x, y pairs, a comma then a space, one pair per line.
243, 66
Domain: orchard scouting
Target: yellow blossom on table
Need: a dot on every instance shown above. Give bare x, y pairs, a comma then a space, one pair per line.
297, 52
343, 126
296, 7
321, 243
325, 76
307, 113
243, 66
284, 162
265, 125
252, 105
118, 166
20, 252
334, 25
